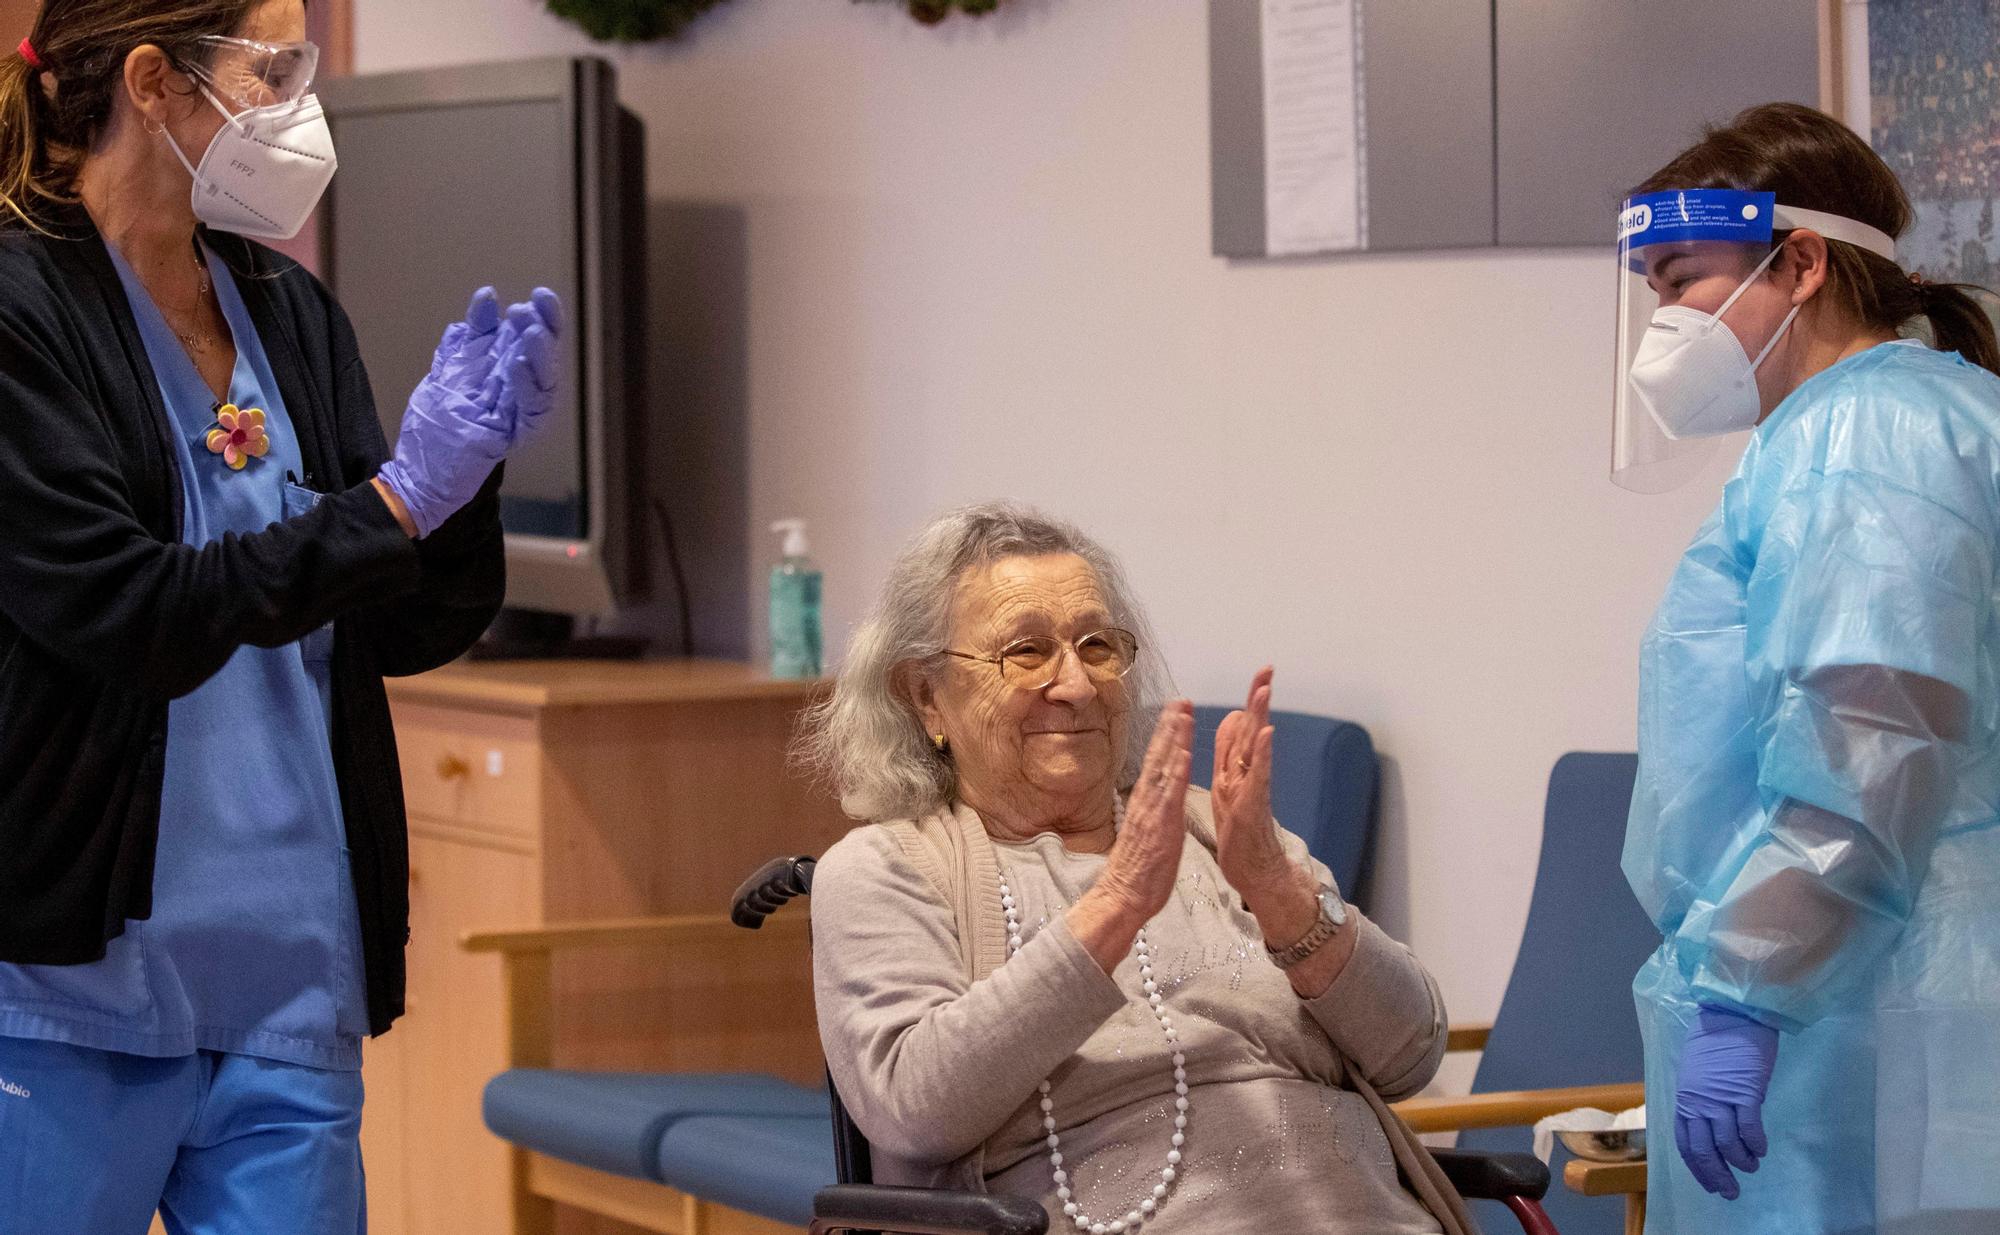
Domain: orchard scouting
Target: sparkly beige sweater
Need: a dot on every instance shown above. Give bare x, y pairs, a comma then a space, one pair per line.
941, 1072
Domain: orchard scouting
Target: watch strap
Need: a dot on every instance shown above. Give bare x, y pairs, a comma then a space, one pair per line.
1323, 930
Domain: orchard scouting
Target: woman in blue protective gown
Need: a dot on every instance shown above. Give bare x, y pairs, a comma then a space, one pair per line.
208, 562
1814, 824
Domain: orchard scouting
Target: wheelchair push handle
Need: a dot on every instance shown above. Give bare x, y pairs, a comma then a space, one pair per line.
766, 891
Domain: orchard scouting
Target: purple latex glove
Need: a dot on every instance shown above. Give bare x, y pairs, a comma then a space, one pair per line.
1719, 1111
450, 439
465, 356
528, 365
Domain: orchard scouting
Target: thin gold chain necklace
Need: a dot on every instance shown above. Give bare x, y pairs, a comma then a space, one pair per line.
197, 340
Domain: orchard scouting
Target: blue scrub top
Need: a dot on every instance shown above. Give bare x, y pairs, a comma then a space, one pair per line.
254, 943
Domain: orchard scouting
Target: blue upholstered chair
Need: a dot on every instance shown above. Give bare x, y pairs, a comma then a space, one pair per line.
1567, 1034
749, 1152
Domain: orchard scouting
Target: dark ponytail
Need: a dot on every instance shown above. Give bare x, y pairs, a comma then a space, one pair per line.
51, 116
1958, 322
1814, 162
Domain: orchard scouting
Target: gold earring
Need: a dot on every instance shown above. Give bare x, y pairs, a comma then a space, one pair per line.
942, 743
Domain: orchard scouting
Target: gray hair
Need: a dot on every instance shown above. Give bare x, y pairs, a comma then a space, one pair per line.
867, 741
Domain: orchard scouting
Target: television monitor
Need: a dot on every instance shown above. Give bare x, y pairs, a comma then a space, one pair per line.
515, 174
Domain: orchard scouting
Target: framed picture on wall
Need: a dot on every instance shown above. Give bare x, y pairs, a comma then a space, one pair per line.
1921, 80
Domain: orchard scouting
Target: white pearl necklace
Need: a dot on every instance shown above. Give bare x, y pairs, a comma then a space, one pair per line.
1136, 1218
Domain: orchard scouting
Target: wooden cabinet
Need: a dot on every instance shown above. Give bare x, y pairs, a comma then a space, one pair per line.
548, 792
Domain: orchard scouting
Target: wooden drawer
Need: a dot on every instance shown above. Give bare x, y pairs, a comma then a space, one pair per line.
479, 772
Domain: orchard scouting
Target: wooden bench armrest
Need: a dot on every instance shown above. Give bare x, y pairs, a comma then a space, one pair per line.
526, 957
1513, 1107
706, 929
1605, 1178
1469, 1037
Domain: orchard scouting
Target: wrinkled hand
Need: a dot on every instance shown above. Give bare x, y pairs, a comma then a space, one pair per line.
1246, 838
527, 369
1145, 858
1719, 1111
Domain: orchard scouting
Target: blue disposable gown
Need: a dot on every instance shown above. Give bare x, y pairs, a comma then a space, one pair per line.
1813, 827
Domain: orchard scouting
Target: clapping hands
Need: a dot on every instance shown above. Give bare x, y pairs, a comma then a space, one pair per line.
1247, 846
492, 382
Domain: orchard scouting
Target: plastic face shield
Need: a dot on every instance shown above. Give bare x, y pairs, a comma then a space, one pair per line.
251, 74
1667, 242
1693, 247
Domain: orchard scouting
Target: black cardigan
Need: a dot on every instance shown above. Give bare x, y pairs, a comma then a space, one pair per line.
105, 615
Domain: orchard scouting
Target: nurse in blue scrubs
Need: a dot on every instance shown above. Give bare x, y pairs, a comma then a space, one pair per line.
209, 561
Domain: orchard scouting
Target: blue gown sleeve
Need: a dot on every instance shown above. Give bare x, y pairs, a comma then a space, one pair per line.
1866, 611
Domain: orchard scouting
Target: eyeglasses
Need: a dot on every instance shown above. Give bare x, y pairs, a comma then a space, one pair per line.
254, 74
1035, 662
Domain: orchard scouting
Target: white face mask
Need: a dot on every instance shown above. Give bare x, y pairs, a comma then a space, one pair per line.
1692, 374
265, 170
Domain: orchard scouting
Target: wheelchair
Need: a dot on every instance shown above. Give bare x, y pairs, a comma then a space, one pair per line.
858, 1206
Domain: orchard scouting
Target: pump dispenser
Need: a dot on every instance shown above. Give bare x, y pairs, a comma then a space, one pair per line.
795, 587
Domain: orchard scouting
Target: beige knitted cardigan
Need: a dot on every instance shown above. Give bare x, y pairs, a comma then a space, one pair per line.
952, 851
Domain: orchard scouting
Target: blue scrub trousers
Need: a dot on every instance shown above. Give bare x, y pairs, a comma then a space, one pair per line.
91, 1142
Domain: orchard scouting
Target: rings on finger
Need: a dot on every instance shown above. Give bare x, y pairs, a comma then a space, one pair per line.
1243, 765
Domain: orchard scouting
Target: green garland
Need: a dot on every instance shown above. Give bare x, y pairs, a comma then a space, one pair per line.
931, 12
642, 21
631, 21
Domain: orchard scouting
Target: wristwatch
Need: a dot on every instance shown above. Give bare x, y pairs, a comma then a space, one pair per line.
1332, 916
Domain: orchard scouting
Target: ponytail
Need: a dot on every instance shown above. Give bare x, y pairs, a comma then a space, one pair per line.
23, 141
1959, 323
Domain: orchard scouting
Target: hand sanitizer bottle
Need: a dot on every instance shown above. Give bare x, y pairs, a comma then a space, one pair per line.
795, 637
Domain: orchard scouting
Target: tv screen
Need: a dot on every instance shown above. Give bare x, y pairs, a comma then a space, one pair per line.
439, 201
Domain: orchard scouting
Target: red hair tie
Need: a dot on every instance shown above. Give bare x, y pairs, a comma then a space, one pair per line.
27, 51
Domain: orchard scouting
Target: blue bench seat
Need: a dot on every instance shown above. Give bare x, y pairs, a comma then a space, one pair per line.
748, 1141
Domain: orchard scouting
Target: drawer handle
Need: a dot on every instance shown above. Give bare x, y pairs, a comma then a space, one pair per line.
451, 767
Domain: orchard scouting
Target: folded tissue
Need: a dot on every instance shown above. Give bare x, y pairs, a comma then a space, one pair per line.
1599, 1136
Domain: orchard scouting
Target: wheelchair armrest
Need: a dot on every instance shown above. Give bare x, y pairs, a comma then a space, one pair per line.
924, 1211
1511, 1109
682, 930
1493, 1176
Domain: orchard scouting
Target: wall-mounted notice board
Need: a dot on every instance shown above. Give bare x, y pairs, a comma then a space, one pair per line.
1351, 125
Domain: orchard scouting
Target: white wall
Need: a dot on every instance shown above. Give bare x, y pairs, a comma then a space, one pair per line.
977, 265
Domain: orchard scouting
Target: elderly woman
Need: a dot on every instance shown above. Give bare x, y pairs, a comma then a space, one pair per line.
1051, 969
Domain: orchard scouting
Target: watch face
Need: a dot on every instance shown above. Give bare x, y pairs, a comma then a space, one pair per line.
1333, 907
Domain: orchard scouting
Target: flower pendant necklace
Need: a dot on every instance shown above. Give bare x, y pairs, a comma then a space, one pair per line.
1143, 952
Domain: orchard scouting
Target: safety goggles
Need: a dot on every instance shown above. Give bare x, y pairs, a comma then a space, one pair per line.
1693, 247
253, 74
